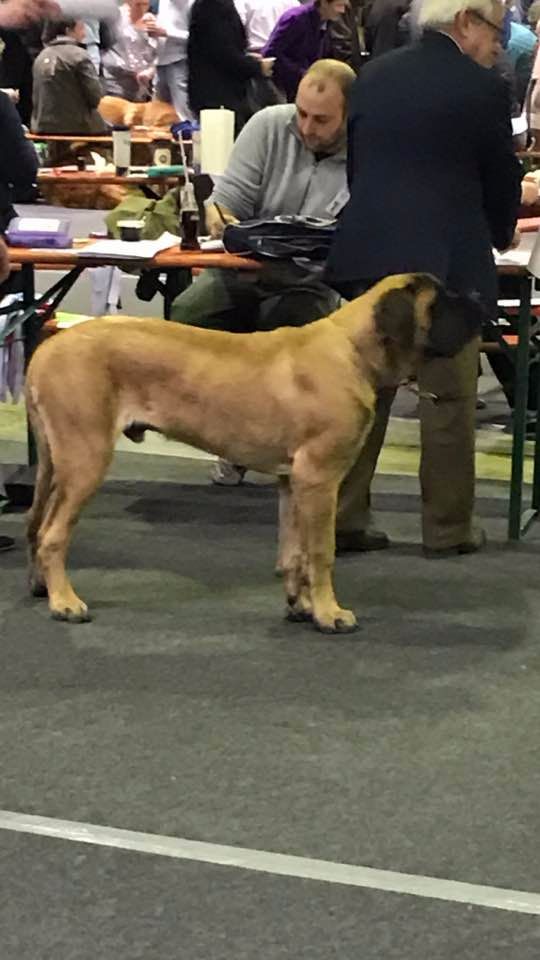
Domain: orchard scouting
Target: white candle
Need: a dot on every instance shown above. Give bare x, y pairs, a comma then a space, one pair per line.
217, 138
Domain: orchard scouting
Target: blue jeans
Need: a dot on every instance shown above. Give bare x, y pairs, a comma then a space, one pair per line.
172, 87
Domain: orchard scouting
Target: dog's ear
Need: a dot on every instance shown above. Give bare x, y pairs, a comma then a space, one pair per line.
455, 320
395, 318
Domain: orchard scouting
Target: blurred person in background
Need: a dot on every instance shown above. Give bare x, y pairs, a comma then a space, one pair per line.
67, 89
220, 71
387, 26
520, 50
92, 42
128, 65
15, 14
344, 37
260, 17
171, 28
532, 101
298, 39
21, 47
18, 160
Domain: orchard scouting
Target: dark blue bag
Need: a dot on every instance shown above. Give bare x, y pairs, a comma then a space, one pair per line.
283, 238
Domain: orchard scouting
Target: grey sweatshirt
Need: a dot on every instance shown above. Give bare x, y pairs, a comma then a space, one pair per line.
271, 173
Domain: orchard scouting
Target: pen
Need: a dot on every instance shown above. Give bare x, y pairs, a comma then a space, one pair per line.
219, 210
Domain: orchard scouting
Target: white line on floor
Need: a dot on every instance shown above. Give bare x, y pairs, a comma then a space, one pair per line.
274, 863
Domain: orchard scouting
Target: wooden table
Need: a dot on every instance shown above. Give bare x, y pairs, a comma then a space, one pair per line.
170, 259
146, 135
36, 312
55, 175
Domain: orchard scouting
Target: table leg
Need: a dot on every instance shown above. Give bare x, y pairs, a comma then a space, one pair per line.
176, 281
536, 472
31, 331
520, 410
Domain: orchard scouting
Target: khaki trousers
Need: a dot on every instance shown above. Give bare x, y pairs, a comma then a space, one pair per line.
447, 431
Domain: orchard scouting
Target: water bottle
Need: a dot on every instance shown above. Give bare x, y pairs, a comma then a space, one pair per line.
189, 218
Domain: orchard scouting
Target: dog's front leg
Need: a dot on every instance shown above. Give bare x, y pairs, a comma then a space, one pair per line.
316, 500
292, 557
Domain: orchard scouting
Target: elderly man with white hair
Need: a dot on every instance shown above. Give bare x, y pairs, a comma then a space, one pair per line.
435, 185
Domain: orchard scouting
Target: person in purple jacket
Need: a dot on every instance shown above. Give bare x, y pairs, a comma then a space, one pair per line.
298, 39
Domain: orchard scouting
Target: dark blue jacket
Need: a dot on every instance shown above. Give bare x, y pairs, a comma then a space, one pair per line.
18, 159
433, 177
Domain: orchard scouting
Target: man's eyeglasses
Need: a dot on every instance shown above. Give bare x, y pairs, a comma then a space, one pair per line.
496, 27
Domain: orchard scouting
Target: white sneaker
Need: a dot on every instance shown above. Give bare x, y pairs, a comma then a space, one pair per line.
227, 474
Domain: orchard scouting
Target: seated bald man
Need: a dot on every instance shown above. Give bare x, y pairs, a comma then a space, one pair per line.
288, 159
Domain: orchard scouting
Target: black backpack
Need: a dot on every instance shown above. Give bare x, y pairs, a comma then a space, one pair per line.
283, 238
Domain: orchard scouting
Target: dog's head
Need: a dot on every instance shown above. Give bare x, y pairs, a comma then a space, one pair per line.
413, 313
113, 109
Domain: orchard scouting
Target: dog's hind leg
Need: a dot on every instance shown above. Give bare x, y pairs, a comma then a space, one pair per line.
42, 493
79, 469
315, 491
292, 557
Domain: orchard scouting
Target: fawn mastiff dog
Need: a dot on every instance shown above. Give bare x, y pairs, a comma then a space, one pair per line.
297, 402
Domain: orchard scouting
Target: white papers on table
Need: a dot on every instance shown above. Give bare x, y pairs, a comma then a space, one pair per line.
128, 249
534, 260
209, 245
519, 125
515, 258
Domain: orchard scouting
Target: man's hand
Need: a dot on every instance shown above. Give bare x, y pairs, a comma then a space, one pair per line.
145, 76
4, 262
529, 190
267, 66
516, 240
149, 23
216, 221
11, 93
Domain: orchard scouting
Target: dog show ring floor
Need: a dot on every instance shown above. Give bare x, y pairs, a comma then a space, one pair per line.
190, 777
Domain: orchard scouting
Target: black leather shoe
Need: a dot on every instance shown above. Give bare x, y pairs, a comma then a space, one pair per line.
477, 542
360, 541
6, 543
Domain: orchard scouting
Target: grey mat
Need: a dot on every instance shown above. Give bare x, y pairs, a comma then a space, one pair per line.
188, 707
68, 901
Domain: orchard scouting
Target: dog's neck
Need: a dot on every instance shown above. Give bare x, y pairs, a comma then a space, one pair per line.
357, 319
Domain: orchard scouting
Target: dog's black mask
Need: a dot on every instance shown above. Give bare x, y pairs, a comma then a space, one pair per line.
455, 320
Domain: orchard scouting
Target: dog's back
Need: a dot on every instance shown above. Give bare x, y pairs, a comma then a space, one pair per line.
154, 113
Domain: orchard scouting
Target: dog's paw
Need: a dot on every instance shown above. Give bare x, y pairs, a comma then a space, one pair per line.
297, 614
37, 587
341, 621
74, 613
